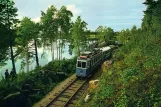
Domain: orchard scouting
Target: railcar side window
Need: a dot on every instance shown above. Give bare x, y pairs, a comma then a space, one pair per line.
83, 64
79, 64
93, 61
88, 64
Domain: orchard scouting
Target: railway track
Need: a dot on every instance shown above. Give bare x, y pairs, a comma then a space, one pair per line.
68, 96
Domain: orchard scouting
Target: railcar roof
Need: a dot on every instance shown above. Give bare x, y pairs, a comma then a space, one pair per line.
80, 59
86, 53
105, 48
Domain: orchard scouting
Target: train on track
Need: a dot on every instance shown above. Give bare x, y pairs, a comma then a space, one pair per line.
88, 61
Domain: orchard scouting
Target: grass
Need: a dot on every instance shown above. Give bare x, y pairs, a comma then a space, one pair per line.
13, 88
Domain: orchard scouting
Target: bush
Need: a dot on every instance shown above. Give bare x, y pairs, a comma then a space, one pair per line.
35, 80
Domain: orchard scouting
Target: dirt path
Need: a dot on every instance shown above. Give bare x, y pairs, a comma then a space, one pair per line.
56, 90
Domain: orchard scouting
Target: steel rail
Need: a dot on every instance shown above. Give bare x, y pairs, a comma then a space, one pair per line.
65, 105
76, 89
54, 99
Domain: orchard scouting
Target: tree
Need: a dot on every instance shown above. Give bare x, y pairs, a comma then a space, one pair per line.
78, 35
8, 21
99, 29
148, 17
105, 33
3, 44
109, 34
50, 22
156, 19
36, 33
27, 40
49, 27
64, 20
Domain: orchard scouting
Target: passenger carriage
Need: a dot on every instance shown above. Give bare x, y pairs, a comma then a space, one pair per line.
106, 52
88, 61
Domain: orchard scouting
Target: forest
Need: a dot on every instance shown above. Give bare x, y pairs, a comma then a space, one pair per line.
133, 80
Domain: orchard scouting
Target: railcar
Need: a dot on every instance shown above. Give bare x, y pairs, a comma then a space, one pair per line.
106, 52
88, 61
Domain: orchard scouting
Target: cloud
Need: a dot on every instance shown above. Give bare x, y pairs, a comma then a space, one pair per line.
74, 9
94, 12
132, 17
37, 19
122, 23
20, 15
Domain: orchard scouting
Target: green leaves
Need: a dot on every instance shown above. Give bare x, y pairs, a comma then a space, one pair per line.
122, 101
28, 33
129, 73
49, 24
78, 35
56, 28
105, 33
64, 16
134, 79
8, 21
26, 30
151, 20
7, 7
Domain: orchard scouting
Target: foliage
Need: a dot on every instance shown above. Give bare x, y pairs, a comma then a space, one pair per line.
133, 80
3, 48
64, 20
46, 82
27, 34
49, 25
7, 7
135, 74
64, 65
7, 22
105, 33
52, 21
78, 35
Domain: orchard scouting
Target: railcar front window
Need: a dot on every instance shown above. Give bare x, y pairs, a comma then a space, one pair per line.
83, 64
79, 64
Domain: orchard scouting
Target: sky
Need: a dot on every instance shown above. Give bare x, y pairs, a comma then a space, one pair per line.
117, 14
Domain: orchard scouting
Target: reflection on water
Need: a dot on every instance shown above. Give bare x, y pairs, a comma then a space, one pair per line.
47, 57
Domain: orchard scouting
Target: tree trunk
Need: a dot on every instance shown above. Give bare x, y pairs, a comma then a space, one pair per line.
78, 51
36, 54
10, 42
78, 43
57, 48
52, 51
61, 50
27, 59
78, 47
12, 57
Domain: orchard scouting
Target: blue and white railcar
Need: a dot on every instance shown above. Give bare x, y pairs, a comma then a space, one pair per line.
87, 62
82, 66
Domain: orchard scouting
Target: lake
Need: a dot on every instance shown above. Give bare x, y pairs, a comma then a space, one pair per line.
47, 57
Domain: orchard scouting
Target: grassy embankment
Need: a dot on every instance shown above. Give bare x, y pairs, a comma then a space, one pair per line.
28, 88
134, 78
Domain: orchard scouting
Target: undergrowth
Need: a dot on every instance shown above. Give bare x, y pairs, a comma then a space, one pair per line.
34, 80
